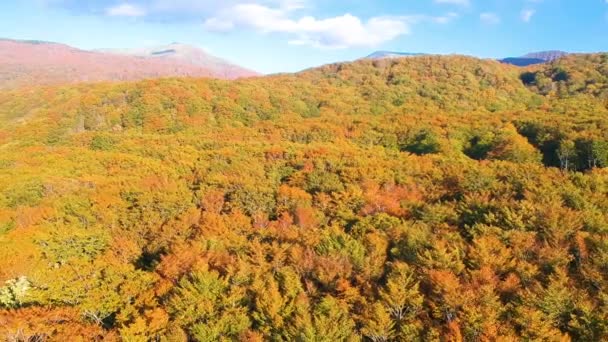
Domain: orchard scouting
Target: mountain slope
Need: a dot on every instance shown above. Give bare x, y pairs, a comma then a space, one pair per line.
366, 86
24, 63
572, 75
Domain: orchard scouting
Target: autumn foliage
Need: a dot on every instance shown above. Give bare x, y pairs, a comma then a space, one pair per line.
418, 199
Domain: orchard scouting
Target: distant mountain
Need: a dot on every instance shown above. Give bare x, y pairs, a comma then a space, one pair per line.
529, 59
522, 61
547, 56
391, 54
188, 55
25, 63
534, 58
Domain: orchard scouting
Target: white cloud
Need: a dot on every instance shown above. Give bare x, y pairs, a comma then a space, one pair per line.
218, 25
527, 14
456, 2
210, 6
335, 32
285, 17
446, 18
126, 10
489, 18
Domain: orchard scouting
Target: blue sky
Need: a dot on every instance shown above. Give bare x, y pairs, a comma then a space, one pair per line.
289, 35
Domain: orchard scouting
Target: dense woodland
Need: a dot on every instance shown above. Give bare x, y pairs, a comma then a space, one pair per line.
417, 199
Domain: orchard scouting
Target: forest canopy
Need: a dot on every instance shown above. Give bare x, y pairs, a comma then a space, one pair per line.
422, 198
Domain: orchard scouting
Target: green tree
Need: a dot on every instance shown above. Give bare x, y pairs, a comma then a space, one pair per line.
209, 308
14, 293
423, 142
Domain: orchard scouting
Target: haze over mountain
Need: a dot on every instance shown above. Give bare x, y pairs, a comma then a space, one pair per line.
535, 58
187, 54
547, 56
526, 60
392, 54
25, 63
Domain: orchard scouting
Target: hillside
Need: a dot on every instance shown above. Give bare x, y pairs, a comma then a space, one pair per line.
572, 75
24, 63
413, 199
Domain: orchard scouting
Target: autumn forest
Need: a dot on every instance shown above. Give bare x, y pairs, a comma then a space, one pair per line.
428, 198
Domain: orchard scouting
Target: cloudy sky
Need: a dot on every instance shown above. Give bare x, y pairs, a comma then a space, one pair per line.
289, 35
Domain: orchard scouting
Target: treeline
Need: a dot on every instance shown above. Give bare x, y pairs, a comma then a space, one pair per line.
427, 198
